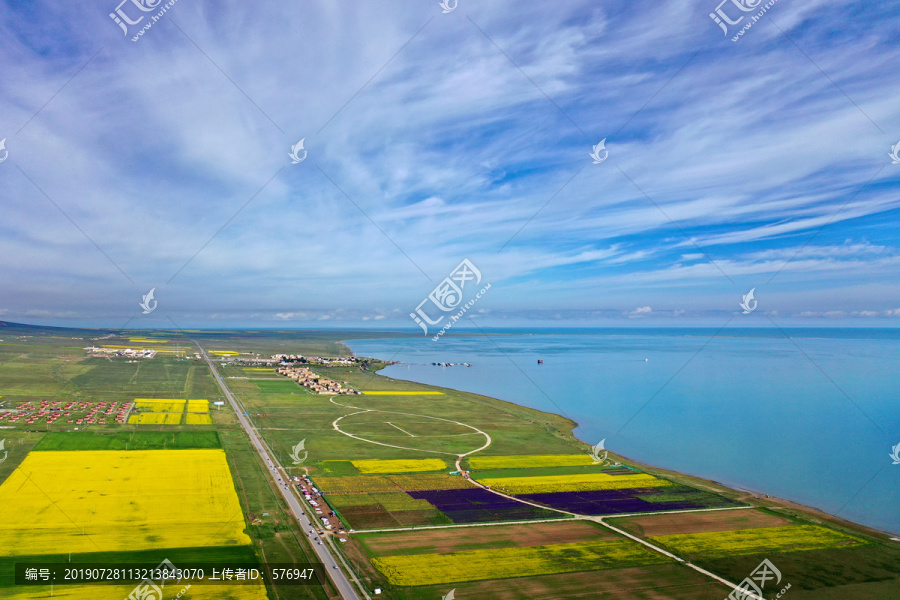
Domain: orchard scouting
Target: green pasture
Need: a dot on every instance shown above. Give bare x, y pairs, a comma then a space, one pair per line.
135, 440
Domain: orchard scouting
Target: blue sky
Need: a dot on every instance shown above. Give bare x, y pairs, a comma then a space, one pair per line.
431, 138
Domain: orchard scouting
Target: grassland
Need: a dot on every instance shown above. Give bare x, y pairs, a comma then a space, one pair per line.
134, 440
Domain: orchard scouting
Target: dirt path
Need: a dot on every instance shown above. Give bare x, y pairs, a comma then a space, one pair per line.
391, 412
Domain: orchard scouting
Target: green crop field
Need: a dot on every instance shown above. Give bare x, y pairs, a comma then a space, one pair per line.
134, 440
281, 386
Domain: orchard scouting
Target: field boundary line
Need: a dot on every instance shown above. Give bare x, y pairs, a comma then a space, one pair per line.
675, 512
459, 525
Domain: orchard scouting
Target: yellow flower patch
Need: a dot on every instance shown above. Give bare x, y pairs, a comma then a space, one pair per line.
759, 540
155, 418
525, 461
173, 405
500, 563
125, 501
198, 419
573, 483
399, 466
198, 406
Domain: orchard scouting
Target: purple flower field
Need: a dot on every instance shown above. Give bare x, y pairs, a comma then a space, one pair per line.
604, 502
629, 500
475, 505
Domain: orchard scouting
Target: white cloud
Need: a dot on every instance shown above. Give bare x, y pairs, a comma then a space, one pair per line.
450, 150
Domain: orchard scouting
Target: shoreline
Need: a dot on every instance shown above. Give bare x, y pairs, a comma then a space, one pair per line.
757, 499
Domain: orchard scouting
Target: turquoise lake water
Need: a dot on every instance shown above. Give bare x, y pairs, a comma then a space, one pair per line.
811, 419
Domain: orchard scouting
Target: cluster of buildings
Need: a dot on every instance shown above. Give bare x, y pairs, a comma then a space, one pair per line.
128, 352
316, 383
29, 412
339, 361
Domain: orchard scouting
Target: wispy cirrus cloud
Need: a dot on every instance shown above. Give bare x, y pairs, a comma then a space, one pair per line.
746, 149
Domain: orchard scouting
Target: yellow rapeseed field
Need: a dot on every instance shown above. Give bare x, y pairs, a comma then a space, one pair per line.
573, 483
155, 418
198, 406
399, 466
198, 591
198, 419
499, 563
134, 500
173, 405
525, 461
753, 541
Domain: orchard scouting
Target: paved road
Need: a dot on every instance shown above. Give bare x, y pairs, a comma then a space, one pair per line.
325, 557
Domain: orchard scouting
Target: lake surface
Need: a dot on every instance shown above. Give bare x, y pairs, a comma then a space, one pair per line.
812, 418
